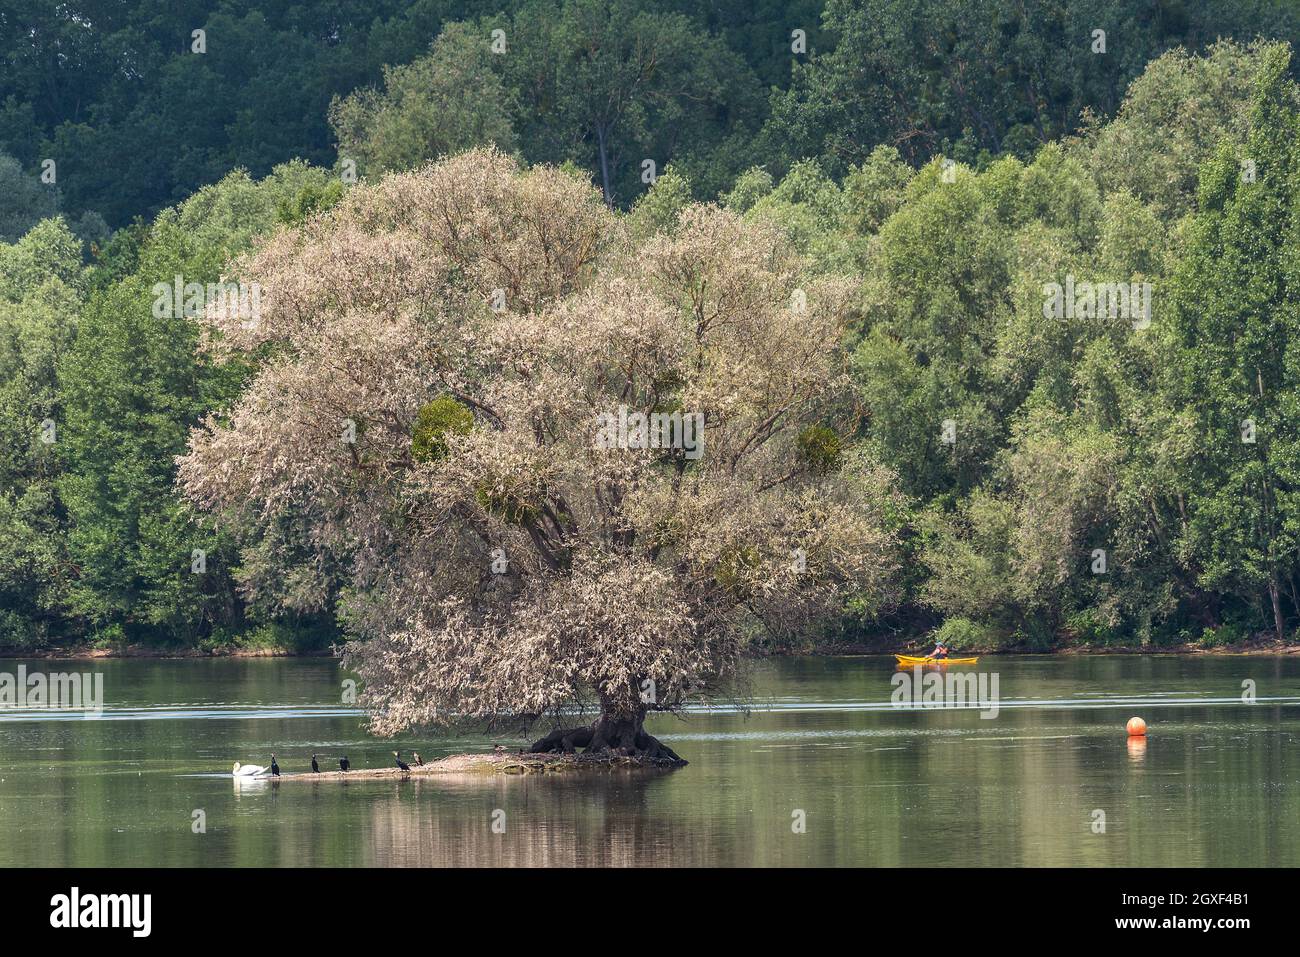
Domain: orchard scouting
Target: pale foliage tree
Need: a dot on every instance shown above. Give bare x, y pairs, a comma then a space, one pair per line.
505, 567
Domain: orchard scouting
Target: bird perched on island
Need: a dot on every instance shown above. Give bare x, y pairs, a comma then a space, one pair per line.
315, 768
400, 763
275, 768
418, 762
498, 747
344, 763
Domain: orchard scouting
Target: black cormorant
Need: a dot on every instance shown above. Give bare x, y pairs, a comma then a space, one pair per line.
315, 768
275, 768
344, 764
418, 762
400, 763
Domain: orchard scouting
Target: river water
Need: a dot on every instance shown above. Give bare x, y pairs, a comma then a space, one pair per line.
824, 768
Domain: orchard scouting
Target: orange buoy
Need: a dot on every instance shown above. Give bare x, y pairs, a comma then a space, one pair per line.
1136, 727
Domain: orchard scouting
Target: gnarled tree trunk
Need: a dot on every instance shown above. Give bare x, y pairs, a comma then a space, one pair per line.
612, 734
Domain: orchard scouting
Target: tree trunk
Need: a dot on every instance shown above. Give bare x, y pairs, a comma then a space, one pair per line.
615, 735
1277, 608
604, 165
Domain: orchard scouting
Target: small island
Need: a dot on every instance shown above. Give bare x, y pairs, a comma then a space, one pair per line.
493, 762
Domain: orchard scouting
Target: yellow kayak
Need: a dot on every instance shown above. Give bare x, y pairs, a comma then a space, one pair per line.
910, 660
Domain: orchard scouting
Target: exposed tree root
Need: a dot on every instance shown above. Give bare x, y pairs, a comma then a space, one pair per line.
613, 736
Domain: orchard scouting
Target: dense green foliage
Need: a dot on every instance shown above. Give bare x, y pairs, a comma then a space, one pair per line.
437, 420
1089, 477
975, 78
136, 119
97, 541
1103, 480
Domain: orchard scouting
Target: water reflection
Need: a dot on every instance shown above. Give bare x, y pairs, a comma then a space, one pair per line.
1137, 748
876, 785
608, 820
248, 783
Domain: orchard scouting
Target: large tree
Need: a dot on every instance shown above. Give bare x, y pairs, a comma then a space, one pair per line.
609, 84
1236, 335
131, 386
1172, 118
442, 103
505, 563
42, 284
24, 201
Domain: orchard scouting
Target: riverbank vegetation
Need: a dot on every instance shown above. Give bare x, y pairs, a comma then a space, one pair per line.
1002, 353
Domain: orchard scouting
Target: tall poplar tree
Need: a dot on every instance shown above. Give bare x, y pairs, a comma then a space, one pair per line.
1234, 326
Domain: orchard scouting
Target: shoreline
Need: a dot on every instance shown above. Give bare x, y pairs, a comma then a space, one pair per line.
1245, 648
848, 650
90, 654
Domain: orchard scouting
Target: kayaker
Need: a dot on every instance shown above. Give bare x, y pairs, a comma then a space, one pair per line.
940, 650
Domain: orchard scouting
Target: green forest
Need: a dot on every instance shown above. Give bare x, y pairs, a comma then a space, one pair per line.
1070, 228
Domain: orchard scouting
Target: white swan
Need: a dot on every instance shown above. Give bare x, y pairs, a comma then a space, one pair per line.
247, 770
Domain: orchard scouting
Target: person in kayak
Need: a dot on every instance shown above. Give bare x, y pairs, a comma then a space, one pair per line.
940, 650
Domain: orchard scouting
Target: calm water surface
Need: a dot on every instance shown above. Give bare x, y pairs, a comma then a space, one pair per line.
1217, 783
